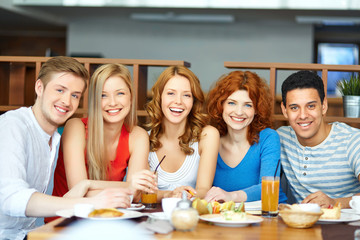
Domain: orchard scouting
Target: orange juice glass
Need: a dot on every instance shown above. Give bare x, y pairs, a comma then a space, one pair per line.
149, 200
270, 196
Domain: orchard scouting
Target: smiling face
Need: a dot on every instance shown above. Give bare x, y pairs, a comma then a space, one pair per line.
58, 100
305, 113
116, 100
238, 111
176, 100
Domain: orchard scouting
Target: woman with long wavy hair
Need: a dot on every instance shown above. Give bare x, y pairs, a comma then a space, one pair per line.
107, 145
240, 108
179, 130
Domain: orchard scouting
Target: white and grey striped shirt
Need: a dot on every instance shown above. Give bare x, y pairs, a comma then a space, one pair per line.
332, 166
186, 175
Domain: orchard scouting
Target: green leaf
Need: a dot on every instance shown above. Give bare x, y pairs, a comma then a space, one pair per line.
350, 86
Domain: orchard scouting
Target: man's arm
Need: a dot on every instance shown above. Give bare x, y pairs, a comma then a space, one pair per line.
42, 205
325, 201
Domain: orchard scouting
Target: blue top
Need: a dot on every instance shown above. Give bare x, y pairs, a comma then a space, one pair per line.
260, 160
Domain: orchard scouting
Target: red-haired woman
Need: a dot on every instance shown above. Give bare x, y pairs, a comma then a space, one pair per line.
240, 107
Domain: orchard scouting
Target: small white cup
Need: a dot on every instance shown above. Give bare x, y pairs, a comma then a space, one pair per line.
83, 209
355, 204
168, 205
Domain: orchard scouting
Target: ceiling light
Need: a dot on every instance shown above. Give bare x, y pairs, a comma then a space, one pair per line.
172, 17
330, 21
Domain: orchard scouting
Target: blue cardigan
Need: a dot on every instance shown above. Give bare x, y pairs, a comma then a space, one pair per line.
260, 160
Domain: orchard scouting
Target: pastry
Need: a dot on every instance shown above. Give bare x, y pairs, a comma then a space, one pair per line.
333, 212
106, 213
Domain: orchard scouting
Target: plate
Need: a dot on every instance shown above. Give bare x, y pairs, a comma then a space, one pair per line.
254, 212
217, 220
128, 214
253, 206
349, 210
136, 207
345, 217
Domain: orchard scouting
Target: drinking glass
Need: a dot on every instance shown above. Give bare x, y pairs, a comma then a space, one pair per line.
270, 196
149, 199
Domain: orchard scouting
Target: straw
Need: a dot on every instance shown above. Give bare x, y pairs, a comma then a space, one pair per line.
277, 166
159, 163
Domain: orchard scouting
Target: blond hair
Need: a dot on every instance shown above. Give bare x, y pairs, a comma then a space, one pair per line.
62, 64
97, 166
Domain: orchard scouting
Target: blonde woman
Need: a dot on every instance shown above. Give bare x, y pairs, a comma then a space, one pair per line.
109, 137
179, 130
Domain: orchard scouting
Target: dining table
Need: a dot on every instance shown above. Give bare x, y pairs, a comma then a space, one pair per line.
267, 229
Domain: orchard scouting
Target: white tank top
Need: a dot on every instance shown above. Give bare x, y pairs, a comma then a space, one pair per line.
185, 176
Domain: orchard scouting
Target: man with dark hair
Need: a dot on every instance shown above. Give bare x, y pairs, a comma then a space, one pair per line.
28, 145
321, 161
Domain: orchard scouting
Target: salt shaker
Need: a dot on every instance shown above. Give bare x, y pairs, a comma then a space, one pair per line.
184, 217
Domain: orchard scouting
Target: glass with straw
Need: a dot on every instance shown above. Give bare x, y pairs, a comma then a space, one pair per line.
270, 194
150, 199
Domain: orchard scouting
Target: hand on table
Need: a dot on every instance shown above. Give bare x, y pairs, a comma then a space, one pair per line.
320, 198
177, 192
217, 194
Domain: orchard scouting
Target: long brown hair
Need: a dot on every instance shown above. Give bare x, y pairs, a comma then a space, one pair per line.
259, 94
196, 119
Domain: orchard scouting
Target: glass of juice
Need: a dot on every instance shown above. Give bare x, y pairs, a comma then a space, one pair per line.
270, 196
149, 200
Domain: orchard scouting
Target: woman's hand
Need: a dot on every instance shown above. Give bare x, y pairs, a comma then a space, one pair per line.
177, 192
144, 180
217, 194
79, 190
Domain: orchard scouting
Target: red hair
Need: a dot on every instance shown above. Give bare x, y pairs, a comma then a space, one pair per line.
259, 94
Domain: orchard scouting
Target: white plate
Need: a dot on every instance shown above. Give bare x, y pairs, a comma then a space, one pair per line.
349, 210
217, 220
253, 206
67, 213
345, 217
158, 216
136, 207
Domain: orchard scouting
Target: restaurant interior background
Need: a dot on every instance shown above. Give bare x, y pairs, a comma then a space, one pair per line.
203, 32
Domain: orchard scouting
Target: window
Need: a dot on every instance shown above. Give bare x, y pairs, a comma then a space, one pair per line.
337, 53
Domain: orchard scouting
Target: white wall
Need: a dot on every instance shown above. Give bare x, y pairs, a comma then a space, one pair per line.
205, 46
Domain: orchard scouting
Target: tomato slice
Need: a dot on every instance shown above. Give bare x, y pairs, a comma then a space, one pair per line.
216, 207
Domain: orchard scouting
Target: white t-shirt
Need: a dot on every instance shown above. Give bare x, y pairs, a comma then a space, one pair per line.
26, 162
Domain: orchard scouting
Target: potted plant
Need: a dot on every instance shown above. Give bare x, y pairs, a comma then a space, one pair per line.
350, 90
